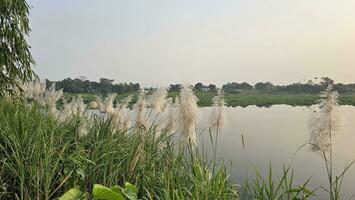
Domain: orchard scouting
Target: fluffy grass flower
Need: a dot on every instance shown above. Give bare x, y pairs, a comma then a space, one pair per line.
51, 98
325, 121
158, 100
188, 115
140, 109
218, 116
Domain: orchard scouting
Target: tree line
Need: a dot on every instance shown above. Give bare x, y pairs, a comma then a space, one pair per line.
106, 86
310, 86
103, 87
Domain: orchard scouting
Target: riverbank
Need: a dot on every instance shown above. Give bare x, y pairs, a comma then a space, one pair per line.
247, 98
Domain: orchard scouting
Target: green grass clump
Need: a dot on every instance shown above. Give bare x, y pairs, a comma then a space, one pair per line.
41, 158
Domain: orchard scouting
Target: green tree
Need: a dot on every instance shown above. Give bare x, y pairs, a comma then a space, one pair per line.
198, 86
106, 86
326, 81
15, 56
263, 86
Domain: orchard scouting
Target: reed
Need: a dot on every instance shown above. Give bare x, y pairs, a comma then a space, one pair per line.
42, 156
324, 125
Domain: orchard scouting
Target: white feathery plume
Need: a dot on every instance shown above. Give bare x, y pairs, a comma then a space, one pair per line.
83, 129
51, 98
28, 90
125, 102
324, 122
109, 109
35, 90
67, 111
93, 105
140, 108
171, 118
158, 100
39, 90
74, 108
80, 106
120, 117
218, 116
125, 114
100, 104
126, 122
188, 114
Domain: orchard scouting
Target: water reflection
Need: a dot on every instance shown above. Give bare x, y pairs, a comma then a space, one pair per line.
272, 135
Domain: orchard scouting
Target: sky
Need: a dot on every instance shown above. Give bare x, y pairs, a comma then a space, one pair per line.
159, 42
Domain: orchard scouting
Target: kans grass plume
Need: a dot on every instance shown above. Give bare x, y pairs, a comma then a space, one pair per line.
158, 100
188, 114
35, 90
140, 109
100, 105
120, 118
76, 107
325, 121
218, 115
51, 98
108, 105
170, 124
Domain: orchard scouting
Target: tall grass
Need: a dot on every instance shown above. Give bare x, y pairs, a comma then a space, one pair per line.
325, 123
41, 158
44, 151
283, 188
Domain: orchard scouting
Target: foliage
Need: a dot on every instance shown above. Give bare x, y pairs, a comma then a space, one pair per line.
264, 188
323, 128
105, 86
74, 194
236, 94
15, 57
41, 158
103, 193
205, 88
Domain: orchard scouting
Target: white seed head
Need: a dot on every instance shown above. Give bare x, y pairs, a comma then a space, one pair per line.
140, 108
51, 98
100, 104
188, 114
121, 120
158, 100
109, 108
170, 123
324, 122
218, 116
125, 102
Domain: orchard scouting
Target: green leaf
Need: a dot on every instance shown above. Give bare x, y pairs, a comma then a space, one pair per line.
117, 188
72, 194
131, 191
104, 193
81, 173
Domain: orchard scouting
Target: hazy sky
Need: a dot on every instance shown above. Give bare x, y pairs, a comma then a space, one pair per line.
158, 42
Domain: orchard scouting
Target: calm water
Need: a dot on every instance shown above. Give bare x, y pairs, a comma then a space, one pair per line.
272, 135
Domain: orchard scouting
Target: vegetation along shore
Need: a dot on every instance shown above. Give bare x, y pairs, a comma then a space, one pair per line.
261, 94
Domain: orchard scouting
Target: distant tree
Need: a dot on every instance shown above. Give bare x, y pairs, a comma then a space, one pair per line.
174, 87
106, 86
325, 81
245, 86
263, 86
235, 87
136, 87
198, 86
212, 87
310, 82
15, 57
